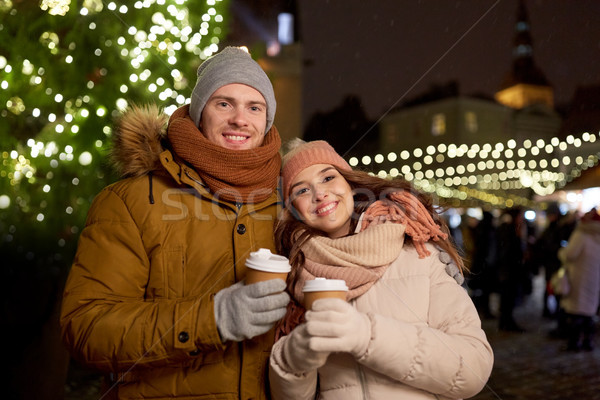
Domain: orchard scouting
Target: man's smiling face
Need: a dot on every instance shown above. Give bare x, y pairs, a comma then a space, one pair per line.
235, 117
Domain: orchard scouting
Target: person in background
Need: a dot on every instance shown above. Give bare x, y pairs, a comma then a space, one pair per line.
155, 297
581, 258
546, 252
511, 270
407, 329
482, 274
467, 226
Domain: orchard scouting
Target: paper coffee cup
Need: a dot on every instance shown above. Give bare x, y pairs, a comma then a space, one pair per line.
264, 265
321, 288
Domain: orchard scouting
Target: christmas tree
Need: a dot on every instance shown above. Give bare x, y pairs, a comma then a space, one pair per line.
67, 70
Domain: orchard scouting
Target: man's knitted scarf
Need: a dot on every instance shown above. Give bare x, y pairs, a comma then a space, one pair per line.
247, 176
361, 259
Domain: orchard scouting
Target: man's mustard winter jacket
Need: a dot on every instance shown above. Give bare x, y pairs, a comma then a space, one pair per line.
156, 248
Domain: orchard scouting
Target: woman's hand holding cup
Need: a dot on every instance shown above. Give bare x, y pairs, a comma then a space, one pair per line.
335, 326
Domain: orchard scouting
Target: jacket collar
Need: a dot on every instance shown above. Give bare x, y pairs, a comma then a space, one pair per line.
183, 174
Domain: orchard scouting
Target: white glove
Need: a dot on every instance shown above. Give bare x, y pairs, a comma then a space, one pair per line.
245, 311
297, 355
336, 326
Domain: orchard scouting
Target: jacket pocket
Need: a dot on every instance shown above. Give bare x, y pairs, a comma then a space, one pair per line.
167, 274
175, 268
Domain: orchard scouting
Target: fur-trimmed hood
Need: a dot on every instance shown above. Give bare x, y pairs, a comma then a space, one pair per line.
138, 139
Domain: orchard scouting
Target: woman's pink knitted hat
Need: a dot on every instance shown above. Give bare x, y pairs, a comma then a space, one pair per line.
304, 154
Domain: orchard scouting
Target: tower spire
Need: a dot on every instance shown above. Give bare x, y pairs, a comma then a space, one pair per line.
525, 84
523, 46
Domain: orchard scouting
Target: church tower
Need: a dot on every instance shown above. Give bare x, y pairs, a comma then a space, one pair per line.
525, 84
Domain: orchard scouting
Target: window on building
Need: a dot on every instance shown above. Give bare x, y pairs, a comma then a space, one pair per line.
438, 124
471, 121
285, 31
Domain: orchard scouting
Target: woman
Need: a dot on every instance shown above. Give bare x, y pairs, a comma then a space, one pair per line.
581, 258
408, 330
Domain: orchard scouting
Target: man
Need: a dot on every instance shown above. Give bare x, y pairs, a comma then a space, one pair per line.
156, 297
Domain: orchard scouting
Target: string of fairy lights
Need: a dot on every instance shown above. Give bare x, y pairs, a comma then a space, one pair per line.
488, 168
490, 173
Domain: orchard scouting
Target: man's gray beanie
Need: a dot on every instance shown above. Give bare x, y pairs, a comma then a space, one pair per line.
231, 65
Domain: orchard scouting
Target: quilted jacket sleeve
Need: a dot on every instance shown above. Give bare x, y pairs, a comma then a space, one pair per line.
105, 321
448, 355
287, 385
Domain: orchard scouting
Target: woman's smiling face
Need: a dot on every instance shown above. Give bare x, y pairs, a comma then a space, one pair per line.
323, 199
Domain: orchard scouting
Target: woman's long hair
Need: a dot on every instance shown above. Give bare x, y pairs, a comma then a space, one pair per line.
291, 232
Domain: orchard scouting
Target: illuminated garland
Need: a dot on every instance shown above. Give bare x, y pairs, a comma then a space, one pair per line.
489, 173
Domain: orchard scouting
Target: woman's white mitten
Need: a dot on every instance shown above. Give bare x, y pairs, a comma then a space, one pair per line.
336, 326
297, 355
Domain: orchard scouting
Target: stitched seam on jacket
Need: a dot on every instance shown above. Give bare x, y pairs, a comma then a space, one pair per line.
412, 368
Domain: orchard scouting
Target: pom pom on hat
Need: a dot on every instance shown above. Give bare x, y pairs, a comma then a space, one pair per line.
304, 154
231, 65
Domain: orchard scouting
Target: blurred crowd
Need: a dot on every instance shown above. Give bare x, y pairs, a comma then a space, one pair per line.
505, 251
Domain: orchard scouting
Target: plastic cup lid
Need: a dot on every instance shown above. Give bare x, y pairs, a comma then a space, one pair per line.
324, 284
264, 260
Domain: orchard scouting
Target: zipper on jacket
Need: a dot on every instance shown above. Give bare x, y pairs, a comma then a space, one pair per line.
362, 380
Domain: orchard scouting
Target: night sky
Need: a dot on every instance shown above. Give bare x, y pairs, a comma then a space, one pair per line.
389, 51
